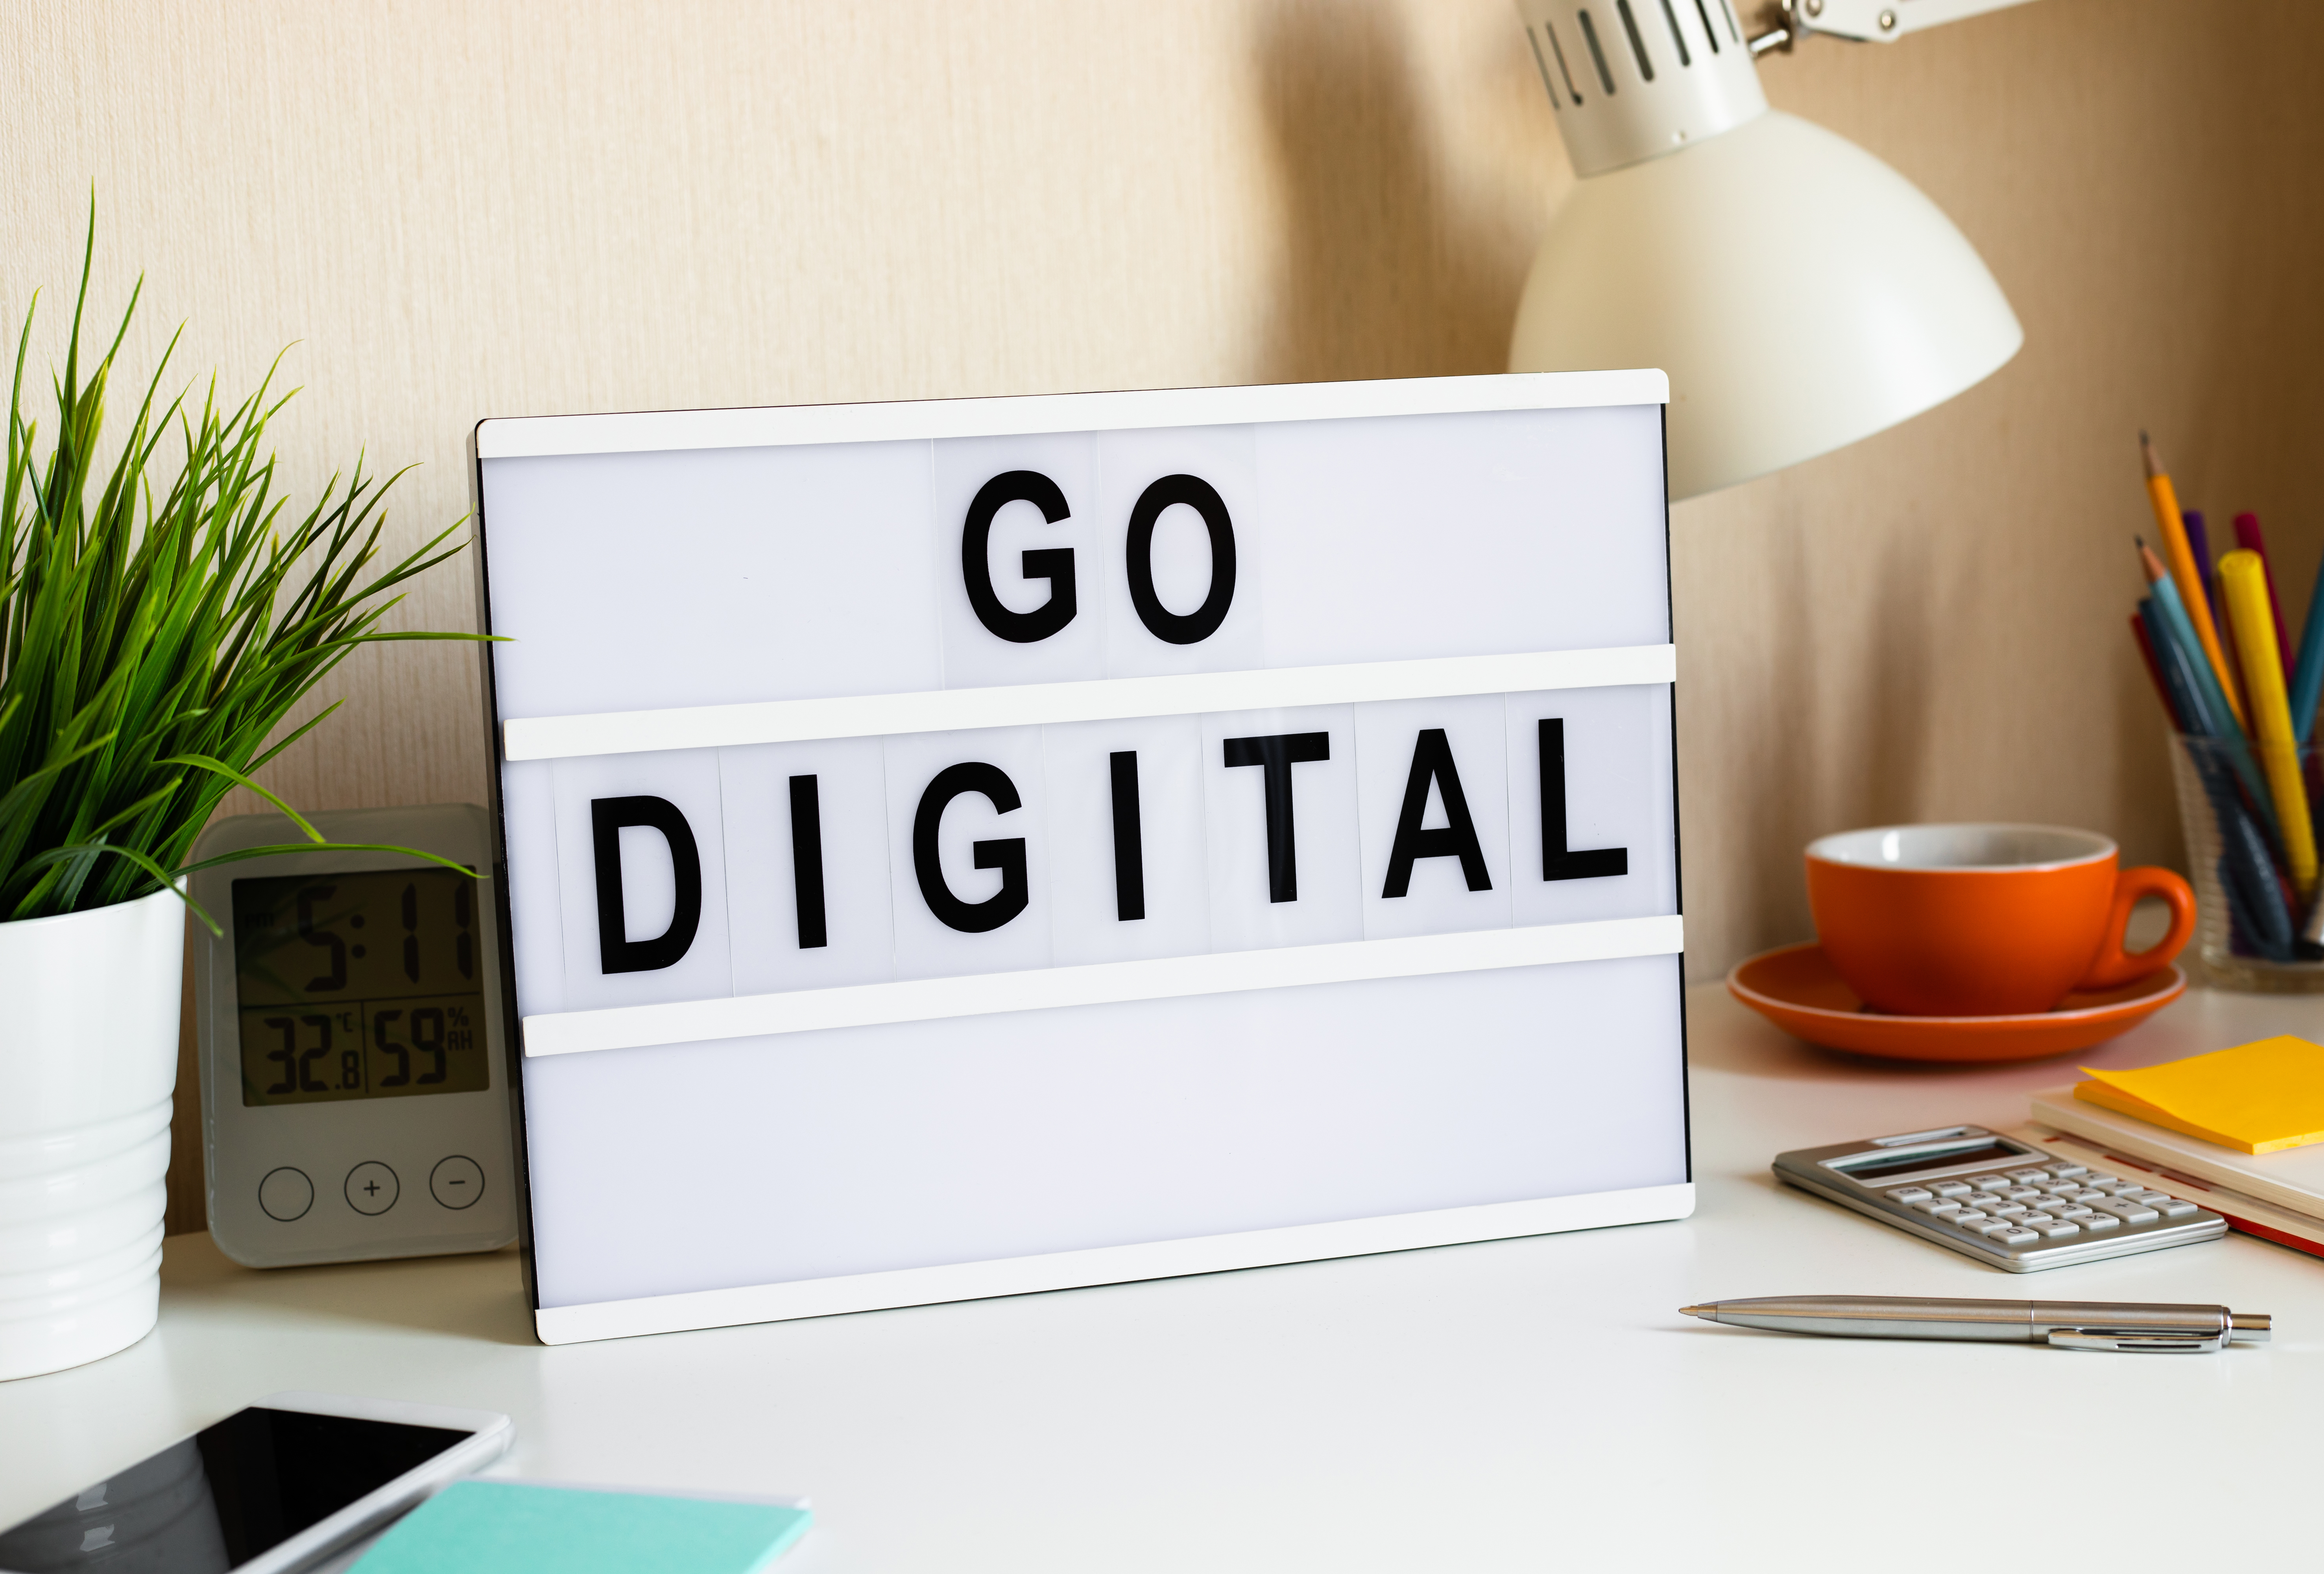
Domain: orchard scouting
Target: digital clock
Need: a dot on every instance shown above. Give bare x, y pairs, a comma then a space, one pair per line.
354, 1097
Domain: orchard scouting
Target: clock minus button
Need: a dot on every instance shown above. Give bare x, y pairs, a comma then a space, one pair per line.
457, 1182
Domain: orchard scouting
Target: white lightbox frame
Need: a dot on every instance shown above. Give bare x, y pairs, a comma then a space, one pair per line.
936, 1001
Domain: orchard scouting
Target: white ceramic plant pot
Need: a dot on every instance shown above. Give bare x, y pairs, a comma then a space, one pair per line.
88, 1054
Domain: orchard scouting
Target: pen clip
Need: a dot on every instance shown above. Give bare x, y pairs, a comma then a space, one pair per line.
2137, 1341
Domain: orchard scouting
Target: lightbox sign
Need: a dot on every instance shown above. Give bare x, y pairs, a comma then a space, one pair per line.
960, 848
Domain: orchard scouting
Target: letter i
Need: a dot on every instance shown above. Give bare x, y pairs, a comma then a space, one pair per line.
1129, 840
806, 862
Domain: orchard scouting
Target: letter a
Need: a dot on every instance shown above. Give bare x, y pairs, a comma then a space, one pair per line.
1432, 761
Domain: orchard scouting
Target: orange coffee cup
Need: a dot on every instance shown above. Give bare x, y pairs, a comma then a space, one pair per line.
1983, 920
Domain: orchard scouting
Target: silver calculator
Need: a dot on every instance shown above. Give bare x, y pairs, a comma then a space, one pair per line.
2002, 1201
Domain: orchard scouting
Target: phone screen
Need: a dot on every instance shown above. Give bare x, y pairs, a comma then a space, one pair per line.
222, 1496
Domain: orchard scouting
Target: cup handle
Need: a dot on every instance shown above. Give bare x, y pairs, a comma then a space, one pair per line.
2115, 966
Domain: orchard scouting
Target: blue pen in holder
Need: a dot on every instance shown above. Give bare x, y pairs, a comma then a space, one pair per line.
2251, 931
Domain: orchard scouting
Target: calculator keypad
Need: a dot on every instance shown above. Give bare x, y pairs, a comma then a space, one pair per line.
2060, 1201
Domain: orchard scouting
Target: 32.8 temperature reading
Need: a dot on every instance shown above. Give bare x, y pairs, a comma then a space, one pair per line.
361, 985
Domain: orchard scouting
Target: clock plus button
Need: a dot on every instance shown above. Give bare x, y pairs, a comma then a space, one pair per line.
457, 1182
371, 1187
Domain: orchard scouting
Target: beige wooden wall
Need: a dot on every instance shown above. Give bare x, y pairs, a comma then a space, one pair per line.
517, 209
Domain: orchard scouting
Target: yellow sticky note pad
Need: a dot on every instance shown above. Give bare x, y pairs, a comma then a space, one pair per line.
2259, 1096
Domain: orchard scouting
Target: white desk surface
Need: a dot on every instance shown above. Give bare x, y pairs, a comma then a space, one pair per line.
1520, 1405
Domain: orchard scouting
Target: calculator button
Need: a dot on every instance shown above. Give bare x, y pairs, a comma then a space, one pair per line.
1994, 1227
2008, 1209
1969, 1218
2099, 1221
1980, 1199
2124, 1209
2088, 1194
2024, 1194
2073, 1210
2015, 1238
2095, 1179
2067, 1172
1937, 1205
2029, 1174
1990, 1182
2122, 1188
2150, 1198
2175, 1207
1907, 1194
1951, 1188
2057, 1229
2035, 1220
2060, 1187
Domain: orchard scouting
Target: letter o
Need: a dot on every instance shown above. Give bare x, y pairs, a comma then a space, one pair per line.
1161, 622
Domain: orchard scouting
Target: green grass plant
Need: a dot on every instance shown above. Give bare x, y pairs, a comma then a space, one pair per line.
153, 635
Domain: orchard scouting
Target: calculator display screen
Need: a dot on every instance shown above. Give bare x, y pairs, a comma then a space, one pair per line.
359, 986
1920, 1164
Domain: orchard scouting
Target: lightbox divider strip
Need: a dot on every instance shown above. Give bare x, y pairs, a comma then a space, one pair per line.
1131, 410
626, 1027
780, 721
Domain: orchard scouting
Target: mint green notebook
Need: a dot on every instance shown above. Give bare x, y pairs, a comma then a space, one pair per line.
516, 1527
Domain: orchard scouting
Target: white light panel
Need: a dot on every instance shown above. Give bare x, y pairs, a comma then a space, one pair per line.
960, 848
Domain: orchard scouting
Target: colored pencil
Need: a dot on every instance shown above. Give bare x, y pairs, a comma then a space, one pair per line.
2248, 538
2198, 605
2154, 667
2210, 710
2199, 546
2255, 897
2187, 703
2226, 627
2254, 893
2243, 579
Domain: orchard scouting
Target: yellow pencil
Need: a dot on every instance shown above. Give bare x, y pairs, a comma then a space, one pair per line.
2244, 577
2181, 556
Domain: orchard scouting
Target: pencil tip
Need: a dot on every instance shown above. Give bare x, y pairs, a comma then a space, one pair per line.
1702, 1312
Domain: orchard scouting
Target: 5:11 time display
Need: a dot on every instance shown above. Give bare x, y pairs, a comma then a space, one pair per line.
359, 986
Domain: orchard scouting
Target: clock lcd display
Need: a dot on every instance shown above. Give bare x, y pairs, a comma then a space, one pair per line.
359, 986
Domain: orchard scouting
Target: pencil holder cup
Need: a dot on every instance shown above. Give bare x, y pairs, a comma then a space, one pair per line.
2254, 928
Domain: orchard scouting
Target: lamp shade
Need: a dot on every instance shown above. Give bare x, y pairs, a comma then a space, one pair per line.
1800, 293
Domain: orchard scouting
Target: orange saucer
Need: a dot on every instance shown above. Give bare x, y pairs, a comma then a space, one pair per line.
1794, 987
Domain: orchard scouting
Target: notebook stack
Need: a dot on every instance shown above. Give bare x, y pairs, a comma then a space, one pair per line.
2240, 1132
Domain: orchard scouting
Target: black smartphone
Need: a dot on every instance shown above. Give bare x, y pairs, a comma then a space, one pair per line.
269, 1489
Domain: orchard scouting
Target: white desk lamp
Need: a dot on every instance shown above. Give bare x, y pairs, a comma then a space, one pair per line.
1801, 293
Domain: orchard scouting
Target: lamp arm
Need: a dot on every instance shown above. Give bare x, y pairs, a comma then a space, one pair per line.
1867, 21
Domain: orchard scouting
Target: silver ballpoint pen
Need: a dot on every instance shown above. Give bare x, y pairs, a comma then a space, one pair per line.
2140, 1327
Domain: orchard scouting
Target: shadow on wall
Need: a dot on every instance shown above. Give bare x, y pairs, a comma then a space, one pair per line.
1799, 795
1386, 272
1905, 653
